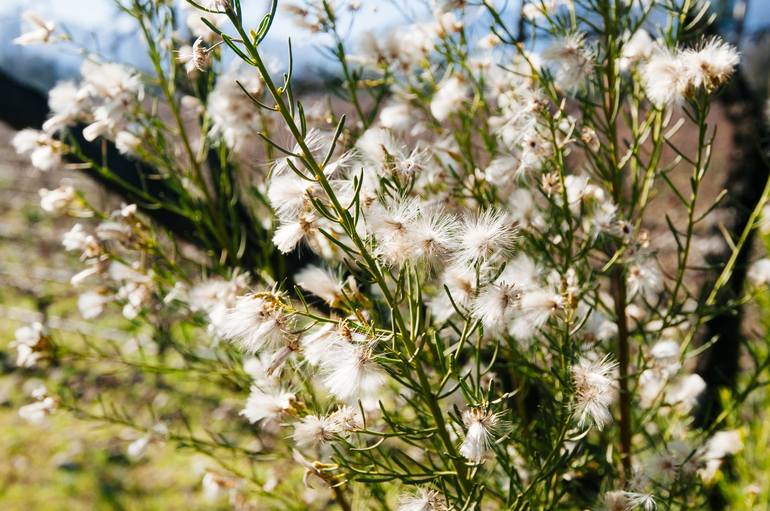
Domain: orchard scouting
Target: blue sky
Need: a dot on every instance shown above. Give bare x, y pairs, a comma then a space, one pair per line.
95, 24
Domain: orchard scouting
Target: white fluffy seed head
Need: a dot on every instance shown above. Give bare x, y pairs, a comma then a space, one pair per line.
481, 428
643, 501
350, 372
637, 49
377, 145
257, 321
571, 59
669, 76
91, 303
759, 272
594, 391
664, 78
45, 153
538, 304
422, 499
289, 194
232, 113
320, 282
684, 391
41, 31
644, 277
393, 224
200, 56
316, 345
315, 430
434, 236
347, 418
710, 64
267, 405
57, 201
289, 234
486, 236
496, 305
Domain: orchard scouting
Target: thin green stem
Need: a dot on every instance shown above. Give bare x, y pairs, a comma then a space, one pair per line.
346, 222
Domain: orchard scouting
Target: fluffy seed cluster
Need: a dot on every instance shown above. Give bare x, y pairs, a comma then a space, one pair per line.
314, 430
571, 59
257, 322
670, 76
482, 426
267, 405
423, 499
594, 391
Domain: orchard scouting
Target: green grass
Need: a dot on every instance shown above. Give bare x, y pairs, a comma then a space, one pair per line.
750, 489
746, 483
68, 464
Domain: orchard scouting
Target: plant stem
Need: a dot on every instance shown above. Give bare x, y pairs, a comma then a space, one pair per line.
611, 108
345, 220
166, 86
618, 283
339, 496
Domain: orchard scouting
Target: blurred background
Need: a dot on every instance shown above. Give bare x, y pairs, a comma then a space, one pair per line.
68, 464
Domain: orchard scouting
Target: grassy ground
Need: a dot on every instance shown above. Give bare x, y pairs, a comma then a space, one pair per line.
65, 464
749, 488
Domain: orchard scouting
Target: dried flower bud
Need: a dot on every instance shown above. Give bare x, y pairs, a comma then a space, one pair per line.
41, 32
551, 183
590, 138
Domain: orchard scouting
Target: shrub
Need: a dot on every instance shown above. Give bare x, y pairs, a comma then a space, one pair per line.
481, 319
